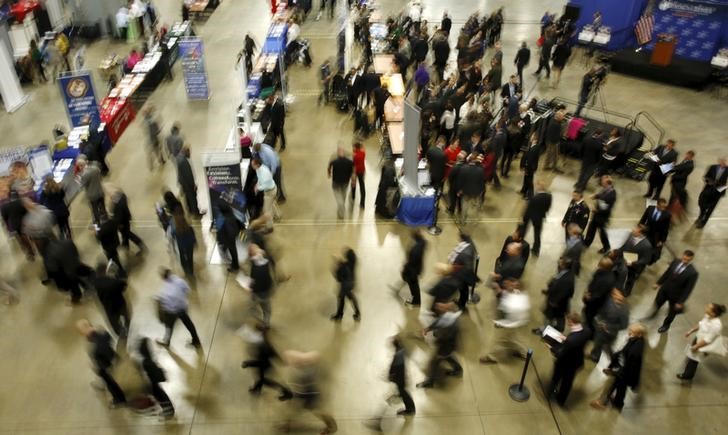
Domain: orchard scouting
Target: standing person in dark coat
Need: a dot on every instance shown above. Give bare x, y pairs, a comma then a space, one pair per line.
13, 213
665, 154
544, 58
516, 237
569, 358
54, 199
345, 276
63, 264
413, 266
561, 54
657, 220
186, 180
463, 259
611, 319
441, 52
122, 216
638, 244
436, 163
536, 210
91, 182
575, 247
591, 155
716, 178
553, 141
471, 188
674, 287
523, 57
576, 213
102, 356
597, 292
453, 181
227, 235
447, 333
108, 236
558, 296
678, 183
341, 173
624, 370
529, 165
186, 240
605, 200
619, 268
263, 353
155, 375
277, 120
446, 23
398, 376
110, 291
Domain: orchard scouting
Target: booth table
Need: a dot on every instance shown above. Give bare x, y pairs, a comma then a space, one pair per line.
416, 210
395, 132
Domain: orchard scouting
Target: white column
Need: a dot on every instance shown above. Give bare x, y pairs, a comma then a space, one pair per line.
10, 89
55, 13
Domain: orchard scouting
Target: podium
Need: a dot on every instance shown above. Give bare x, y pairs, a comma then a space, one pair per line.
664, 50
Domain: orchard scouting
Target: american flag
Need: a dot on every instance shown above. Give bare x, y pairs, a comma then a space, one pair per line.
644, 28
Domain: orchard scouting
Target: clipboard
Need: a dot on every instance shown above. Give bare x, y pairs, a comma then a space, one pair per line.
667, 167
552, 337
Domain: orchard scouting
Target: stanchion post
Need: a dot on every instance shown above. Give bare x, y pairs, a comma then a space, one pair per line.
519, 392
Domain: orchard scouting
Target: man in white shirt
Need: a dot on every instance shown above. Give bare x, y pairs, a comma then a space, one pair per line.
270, 191
172, 301
515, 307
122, 22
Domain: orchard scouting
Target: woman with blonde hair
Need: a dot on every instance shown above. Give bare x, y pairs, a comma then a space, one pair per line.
624, 370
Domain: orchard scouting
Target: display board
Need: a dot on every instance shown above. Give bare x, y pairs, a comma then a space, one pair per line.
79, 97
191, 54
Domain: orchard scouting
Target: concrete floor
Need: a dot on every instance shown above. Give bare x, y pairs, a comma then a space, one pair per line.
46, 374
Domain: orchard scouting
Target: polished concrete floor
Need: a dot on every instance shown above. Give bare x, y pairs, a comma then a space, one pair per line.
45, 369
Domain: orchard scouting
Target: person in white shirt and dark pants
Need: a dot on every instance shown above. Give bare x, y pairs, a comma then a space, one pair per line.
173, 304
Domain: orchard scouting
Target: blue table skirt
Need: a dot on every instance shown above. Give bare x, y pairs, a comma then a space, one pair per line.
417, 210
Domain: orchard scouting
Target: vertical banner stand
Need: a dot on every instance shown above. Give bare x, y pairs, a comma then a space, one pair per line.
12, 93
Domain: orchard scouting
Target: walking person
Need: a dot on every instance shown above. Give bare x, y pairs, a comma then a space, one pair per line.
545, 57
624, 371
603, 281
154, 375
228, 233
102, 356
558, 293
529, 165
536, 210
272, 160
261, 283
657, 220
108, 236
184, 237
186, 180
174, 141
591, 154
154, 146
90, 180
665, 155
514, 307
612, 318
523, 57
359, 159
110, 291
173, 303
122, 215
560, 56
413, 266
674, 288
569, 359
277, 120
576, 213
463, 260
341, 172
605, 200
53, 198
638, 244
554, 130
263, 355
268, 187
678, 186
707, 340
446, 333
716, 180
345, 276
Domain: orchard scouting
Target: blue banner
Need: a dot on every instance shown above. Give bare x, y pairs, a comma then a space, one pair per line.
698, 27
78, 95
193, 68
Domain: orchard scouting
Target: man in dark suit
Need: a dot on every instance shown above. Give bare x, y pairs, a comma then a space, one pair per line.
523, 56
102, 356
675, 286
597, 292
277, 120
716, 180
536, 211
591, 154
577, 213
413, 267
516, 237
437, 161
186, 180
569, 358
108, 236
605, 200
110, 291
529, 165
558, 295
463, 259
397, 376
575, 247
471, 187
511, 266
122, 216
679, 179
446, 23
512, 88
665, 154
544, 58
657, 220
636, 244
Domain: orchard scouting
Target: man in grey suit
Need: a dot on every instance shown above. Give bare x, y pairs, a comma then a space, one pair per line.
636, 244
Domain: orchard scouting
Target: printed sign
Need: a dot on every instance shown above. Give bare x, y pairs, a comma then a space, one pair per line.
225, 186
78, 94
193, 68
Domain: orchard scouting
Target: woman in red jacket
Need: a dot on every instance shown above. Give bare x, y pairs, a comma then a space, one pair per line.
359, 158
451, 153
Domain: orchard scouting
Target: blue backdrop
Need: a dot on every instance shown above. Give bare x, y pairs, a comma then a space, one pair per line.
619, 15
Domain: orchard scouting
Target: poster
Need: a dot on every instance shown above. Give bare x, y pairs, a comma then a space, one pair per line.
193, 68
78, 95
224, 185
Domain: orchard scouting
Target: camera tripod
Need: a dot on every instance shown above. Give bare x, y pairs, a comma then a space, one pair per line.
596, 95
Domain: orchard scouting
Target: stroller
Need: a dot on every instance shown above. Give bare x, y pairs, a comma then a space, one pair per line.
338, 92
298, 51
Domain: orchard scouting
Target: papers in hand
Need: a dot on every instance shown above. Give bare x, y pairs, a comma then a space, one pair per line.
653, 157
630, 257
667, 167
244, 281
722, 188
552, 337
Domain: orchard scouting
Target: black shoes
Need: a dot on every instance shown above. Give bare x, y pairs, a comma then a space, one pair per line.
426, 384
406, 412
455, 373
335, 318
603, 251
662, 329
357, 317
413, 303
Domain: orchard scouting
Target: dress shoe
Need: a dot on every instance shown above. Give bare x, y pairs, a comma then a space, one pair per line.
357, 317
488, 360
411, 302
682, 377
603, 251
406, 412
646, 195
454, 373
662, 329
335, 318
286, 395
426, 384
